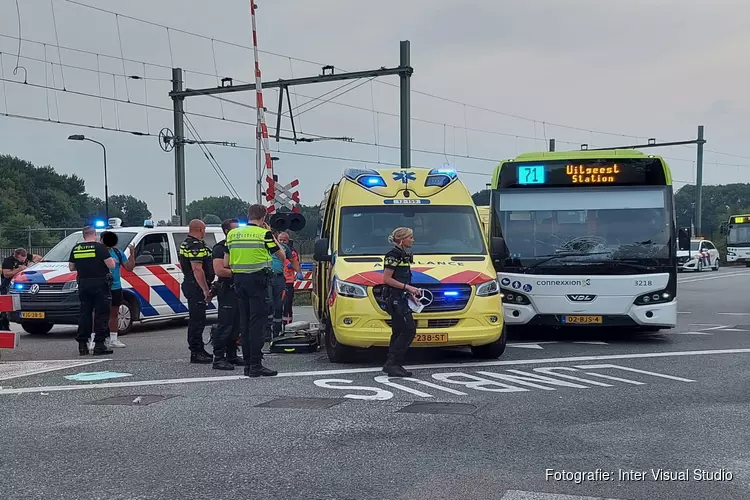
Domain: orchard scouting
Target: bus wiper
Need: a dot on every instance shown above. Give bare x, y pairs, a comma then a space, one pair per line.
625, 263
557, 256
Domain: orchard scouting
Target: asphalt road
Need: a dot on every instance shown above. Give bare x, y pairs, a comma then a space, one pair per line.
582, 415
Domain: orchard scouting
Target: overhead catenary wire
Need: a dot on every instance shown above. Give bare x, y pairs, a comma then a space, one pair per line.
210, 158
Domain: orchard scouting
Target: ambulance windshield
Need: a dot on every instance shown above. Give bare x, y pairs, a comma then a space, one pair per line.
445, 230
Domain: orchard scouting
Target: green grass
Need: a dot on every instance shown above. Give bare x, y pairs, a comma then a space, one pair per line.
302, 298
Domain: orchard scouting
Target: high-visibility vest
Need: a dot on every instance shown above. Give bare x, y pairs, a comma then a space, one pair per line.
289, 272
249, 249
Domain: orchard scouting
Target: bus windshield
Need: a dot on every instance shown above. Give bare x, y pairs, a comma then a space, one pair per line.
61, 251
565, 227
739, 234
437, 229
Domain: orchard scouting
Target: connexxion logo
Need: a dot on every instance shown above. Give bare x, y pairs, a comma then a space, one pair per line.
586, 282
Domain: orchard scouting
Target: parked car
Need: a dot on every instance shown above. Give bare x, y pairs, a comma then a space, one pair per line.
702, 256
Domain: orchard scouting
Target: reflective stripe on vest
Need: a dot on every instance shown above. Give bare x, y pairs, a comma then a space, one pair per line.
248, 250
84, 252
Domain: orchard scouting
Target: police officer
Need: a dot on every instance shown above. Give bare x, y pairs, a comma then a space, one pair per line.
292, 270
225, 336
250, 249
198, 273
12, 266
92, 261
397, 293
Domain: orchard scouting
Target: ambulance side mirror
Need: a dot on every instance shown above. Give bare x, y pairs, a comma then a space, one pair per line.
320, 252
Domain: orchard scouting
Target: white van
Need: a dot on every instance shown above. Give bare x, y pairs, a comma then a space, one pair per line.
151, 292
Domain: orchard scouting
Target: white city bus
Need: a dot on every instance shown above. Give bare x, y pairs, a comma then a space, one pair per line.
585, 238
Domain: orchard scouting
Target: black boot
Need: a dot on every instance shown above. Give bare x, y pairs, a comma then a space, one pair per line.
259, 371
236, 361
393, 367
83, 348
201, 358
222, 364
101, 350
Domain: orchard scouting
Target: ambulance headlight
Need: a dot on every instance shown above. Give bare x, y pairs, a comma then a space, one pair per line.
488, 289
346, 289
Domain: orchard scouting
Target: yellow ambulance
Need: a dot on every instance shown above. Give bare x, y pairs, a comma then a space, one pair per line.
451, 260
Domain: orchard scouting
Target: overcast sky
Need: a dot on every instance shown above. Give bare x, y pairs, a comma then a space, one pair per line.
646, 68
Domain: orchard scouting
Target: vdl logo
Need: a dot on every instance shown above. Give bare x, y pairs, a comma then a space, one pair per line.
581, 298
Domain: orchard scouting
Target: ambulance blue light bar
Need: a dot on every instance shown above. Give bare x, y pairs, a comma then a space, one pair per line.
371, 181
440, 177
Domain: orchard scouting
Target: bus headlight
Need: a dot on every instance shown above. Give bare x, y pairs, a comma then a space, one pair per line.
488, 289
346, 289
659, 297
513, 297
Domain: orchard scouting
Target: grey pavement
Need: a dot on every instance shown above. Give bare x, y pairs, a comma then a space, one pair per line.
556, 418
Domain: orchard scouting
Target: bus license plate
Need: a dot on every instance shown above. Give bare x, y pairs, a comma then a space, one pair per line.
582, 320
32, 315
430, 338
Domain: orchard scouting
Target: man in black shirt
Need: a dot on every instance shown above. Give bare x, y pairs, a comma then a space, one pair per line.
226, 333
92, 262
198, 273
12, 266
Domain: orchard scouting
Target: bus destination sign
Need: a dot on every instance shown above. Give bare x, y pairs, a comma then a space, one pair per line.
595, 172
740, 220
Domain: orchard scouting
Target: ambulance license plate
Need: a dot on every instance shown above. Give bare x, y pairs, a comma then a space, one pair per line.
32, 315
430, 338
582, 320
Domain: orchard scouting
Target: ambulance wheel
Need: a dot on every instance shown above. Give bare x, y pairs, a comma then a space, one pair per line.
36, 327
493, 350
337, 353
126, 315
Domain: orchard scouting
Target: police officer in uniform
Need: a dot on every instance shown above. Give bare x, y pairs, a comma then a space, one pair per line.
397, 293
250, 249
225, 336
92, 261
198, 273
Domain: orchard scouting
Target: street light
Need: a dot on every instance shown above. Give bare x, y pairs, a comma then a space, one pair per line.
171, 212
78, 137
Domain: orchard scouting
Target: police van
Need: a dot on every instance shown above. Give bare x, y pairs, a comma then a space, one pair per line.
151, 291
451, 262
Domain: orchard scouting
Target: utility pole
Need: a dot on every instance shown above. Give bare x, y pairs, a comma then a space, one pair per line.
328, 75
699, 182
405, 88
179, 146
551, 145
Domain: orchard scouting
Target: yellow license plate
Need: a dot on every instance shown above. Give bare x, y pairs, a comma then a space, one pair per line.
582, 320
430, 338
32, 315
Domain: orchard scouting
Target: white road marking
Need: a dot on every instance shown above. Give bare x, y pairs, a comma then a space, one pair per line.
141, 383
734, 330
690, 333
719, 277
525, 345
635, 370
592, 342
735, 314
533, 495
16, 369
715, 328
684, 312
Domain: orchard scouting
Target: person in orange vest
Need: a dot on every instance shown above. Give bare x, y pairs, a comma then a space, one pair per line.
292, 270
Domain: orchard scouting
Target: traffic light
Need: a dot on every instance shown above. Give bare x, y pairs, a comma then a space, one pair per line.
287, 221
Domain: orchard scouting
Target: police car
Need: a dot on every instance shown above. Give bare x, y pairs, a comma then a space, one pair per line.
151, 291
702, 256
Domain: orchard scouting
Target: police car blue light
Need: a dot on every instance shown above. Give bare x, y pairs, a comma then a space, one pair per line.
242, 224
99, 224
450, 294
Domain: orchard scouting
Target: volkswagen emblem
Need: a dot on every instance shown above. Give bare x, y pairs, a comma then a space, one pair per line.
34, 288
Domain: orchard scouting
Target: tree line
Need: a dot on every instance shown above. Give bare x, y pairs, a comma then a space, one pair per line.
38, 198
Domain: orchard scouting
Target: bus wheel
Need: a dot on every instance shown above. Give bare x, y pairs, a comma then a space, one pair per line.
493, 350
36, 327
337, 353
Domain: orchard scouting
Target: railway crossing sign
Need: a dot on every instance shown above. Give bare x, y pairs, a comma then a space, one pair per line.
283, 196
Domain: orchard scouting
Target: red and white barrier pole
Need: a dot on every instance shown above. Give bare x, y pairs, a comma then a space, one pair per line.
9, 303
